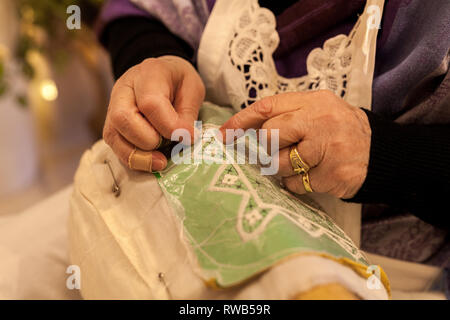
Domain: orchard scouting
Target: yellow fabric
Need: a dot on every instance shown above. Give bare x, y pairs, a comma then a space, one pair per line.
360, 269
332, 291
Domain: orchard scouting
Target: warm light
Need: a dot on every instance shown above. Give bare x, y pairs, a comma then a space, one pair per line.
49, 91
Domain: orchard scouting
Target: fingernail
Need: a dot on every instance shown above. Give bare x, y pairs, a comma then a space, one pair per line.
159, 164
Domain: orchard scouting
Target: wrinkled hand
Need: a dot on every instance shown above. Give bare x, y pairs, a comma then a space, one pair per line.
331, 136
151, 99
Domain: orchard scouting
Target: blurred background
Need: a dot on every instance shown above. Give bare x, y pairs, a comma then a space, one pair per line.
54, 91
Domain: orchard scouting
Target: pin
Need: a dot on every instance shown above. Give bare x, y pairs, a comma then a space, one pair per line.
115, 187
161, 278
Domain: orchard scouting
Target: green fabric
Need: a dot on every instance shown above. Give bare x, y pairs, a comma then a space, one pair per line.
238, 222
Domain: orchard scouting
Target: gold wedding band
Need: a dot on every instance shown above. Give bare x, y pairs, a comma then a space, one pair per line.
300, 167
306, 182
140, 160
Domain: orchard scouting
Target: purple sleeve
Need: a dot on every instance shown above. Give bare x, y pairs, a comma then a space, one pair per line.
114, 9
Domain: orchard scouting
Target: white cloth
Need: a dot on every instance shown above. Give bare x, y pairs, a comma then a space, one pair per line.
33, 251
122, 244
34, 260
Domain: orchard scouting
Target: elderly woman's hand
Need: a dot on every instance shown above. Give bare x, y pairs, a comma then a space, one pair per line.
151, 100
331, 136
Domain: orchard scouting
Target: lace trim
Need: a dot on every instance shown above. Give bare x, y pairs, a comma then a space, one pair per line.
250, 52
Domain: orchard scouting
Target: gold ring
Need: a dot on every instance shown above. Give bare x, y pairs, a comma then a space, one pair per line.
300, 167
306, 182
140, 160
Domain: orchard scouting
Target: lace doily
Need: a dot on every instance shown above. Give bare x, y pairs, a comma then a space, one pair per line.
250, 52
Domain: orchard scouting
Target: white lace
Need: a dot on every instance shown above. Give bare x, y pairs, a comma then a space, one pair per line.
236, 63
250, 52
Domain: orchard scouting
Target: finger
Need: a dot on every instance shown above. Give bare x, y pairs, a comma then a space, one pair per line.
147, 161
129, 122
295, 183
309, 152
189, 97
288, 128
154, 95
123, 149
161, 114
256, 114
